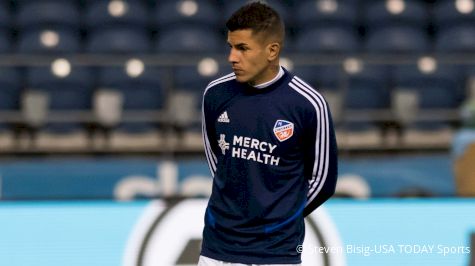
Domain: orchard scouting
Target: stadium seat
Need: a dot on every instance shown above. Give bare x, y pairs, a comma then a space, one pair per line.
321, 77
327, 40
77, 84
119, 40
413, 13
49, 40
140, 93
5, 17
396, 26
189, 40
442, 88
446, 13
397, 39
172, 13
68, 92
459, 38
326, 13
5, 41
9, 78
368, 89
439, 90
119, 26
195, 78
10, 90
105, 13
48, 26
366, 97
47, 13
143, 92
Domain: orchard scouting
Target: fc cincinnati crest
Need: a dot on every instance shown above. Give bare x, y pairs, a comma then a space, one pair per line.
283, 130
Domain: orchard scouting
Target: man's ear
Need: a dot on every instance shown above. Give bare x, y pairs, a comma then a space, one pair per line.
273, 51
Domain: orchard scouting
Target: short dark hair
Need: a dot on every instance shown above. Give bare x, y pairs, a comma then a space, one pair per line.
260, 18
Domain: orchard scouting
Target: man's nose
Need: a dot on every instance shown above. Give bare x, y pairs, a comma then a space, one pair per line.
232, 57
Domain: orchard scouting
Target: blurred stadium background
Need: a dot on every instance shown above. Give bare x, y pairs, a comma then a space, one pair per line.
100, 125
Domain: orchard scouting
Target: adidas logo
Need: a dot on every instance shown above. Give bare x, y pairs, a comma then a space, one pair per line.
223, 118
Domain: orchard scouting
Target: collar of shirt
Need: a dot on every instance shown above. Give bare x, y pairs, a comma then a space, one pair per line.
272, 81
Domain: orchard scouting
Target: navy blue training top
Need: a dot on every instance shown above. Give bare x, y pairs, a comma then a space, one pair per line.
273, 157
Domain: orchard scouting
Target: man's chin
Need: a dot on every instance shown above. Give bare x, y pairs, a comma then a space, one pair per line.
241, 79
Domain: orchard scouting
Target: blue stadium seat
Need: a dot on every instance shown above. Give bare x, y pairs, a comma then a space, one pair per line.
321, 77
100, 14
188, 78
119, 40
398, 39
368, 89
411, 13
173, 13
366, 92
446, 14
48, 12
5, 23
459, 38
49, 40
9, 78
139, 93
10, 89
189, 40
441, 89
5, 16
397, 26
142, 92
5, 41
72, 92
326, 13
120, 28
327, 40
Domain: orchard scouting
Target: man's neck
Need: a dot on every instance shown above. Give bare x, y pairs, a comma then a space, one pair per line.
278, 74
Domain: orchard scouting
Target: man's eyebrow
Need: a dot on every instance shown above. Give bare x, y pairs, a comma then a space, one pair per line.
241, 44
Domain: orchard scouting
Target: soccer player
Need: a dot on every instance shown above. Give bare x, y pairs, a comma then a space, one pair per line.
271, 149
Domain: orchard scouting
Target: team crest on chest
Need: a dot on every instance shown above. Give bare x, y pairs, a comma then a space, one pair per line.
283, 130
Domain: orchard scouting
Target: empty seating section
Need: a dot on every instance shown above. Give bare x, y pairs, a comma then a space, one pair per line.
123, 73
141, 90
10, 89
117, 27
5, 24
67, 88
48, 26
189, 39
397, 26
205, 13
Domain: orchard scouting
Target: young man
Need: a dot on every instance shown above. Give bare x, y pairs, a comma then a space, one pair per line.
270, 145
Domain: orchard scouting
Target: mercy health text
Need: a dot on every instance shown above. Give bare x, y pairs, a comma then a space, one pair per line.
368, 250
254, 150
